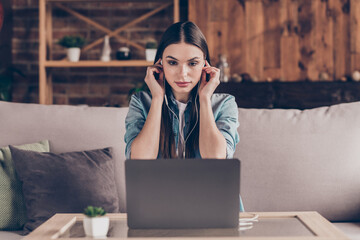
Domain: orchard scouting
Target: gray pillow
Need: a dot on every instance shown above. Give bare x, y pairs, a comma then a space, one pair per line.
65, 183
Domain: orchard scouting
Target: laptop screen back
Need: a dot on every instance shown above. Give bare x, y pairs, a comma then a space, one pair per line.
182, 193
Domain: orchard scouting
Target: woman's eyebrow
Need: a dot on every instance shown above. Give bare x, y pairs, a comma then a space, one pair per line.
172, 58
194, 58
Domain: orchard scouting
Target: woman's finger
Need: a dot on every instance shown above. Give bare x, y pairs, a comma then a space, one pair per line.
153, 69
158, 61
203, 77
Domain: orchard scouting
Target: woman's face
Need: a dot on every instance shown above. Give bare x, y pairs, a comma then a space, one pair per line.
182, 65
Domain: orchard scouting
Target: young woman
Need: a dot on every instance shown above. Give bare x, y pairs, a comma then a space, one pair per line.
181, 117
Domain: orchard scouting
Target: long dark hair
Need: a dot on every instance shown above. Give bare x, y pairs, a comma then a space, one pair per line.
189, 33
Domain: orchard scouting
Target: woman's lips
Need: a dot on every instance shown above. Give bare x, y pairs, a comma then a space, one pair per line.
183, 84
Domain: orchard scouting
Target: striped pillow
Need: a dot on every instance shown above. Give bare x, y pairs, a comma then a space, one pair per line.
12, 206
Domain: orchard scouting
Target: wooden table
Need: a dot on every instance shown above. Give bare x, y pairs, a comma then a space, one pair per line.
271, 225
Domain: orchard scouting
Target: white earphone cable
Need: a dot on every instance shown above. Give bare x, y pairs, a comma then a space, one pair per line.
197, 117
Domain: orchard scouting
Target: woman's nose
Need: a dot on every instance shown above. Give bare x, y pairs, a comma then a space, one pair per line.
184, 70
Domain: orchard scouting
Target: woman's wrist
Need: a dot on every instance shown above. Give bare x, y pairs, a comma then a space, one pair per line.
204, 99
158, 100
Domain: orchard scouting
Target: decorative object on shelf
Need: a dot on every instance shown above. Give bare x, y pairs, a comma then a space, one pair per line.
356, 76
343, 79
73, 45
96, 224
236, 78
323, 76
246, 77
224, 68
105, 55
123, 53
150, 51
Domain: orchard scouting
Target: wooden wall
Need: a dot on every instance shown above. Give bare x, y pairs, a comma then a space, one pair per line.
289, 40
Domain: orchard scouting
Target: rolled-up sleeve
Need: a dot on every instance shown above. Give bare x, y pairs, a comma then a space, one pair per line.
227, 123
134, 122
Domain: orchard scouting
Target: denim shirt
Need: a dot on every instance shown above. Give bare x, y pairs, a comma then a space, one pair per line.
224, 108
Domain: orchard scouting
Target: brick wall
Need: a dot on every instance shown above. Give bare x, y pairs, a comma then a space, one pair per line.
92, 86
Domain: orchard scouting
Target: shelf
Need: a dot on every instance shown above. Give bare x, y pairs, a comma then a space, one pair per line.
92, 63
119, 1
46, 40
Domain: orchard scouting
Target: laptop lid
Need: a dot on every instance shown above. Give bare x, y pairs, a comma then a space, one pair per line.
182, 193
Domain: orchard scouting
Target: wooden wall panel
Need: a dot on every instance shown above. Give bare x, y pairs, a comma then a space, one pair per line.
254, 32
289, 59
236, 40
322, 40
355, 33
289, 40
341, 38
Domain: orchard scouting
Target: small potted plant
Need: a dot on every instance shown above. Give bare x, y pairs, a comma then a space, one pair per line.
150, 51
73, 45
96, 224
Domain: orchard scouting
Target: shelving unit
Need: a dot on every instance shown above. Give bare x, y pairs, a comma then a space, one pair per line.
46, 41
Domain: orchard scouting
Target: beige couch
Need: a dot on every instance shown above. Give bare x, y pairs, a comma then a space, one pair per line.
291, 160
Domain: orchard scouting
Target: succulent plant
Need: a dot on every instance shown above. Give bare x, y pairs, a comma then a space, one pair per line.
151, 44
72, 41
91, 211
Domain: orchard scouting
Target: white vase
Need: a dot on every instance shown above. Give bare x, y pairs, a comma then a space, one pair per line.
96, 226
73, 54
105, 55
150, 54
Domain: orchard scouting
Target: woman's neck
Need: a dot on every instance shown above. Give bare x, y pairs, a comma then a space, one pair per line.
183, 98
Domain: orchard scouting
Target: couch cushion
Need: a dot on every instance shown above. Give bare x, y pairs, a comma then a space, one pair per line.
296, 160
68, 128
65, 183
10, 235
12, 207
351, 230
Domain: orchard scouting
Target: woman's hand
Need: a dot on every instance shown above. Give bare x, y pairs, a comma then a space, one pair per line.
206, 89
156, 86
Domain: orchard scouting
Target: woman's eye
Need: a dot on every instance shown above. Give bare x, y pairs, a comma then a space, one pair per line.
172, 62
193, 64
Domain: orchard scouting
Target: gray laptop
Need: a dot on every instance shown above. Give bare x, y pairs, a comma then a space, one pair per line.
182, 193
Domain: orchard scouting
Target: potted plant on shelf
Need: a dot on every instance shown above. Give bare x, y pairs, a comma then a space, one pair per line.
150, 51
96, 224
73, 45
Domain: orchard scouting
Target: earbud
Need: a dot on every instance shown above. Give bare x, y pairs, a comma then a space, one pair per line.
161, 62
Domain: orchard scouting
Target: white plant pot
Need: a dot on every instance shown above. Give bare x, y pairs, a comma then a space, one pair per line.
73, 54
150, 54
96, 226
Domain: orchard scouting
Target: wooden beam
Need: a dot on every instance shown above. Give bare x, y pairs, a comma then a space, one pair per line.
176, 11
98, 26
92, 63
114, 1
137, 20
44, 84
